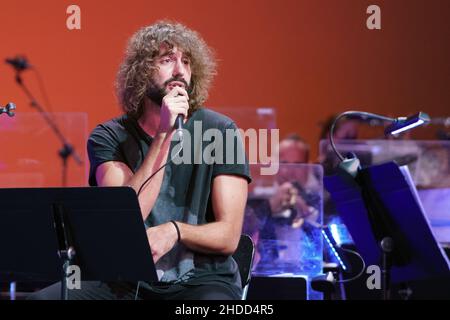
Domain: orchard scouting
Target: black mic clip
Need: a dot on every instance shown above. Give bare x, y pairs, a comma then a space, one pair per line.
19, 63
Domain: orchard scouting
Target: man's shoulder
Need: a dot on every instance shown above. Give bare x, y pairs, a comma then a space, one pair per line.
116, 126
211, 118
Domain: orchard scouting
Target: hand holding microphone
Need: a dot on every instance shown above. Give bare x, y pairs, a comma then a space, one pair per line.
174, 109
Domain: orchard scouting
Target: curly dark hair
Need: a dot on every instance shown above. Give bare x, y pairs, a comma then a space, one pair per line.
136, 71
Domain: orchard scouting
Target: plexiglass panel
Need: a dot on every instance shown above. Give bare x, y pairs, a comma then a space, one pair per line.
283, 216
30, 149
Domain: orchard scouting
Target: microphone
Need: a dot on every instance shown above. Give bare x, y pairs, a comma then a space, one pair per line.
8, 109
179, 125
19, 63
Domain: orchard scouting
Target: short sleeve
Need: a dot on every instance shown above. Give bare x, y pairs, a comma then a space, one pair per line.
102, 146
233, 160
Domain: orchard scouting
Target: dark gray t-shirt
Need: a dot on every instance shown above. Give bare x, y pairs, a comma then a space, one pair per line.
185, 193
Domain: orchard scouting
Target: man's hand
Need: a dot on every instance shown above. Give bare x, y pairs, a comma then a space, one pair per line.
285, 197
162, 238
174, 103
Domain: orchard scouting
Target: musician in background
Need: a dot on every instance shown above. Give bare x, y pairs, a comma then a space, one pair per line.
286, 212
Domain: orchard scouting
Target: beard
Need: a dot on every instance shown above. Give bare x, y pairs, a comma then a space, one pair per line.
156, 93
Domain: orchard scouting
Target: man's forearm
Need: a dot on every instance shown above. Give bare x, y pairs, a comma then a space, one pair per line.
229, 195
228, 198
211, 238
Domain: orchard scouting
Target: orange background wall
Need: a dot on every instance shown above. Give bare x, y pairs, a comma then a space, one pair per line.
308, 59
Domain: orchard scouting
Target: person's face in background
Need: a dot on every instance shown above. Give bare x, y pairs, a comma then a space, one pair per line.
347, 130
292, 152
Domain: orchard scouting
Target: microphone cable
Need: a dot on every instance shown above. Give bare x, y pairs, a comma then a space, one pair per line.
163, 166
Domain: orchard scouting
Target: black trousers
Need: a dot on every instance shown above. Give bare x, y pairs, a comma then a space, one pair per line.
95, 290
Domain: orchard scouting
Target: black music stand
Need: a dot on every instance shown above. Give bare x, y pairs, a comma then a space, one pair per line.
100, 229
383, 213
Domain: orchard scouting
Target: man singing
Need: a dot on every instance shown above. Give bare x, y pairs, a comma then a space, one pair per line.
193, 211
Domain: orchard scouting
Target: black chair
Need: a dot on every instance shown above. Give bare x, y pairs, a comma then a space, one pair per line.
244, 257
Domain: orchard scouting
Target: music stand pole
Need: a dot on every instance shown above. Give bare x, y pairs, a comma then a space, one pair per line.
66, 250
387, 245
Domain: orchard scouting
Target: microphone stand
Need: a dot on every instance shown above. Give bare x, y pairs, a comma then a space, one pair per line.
67, 149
